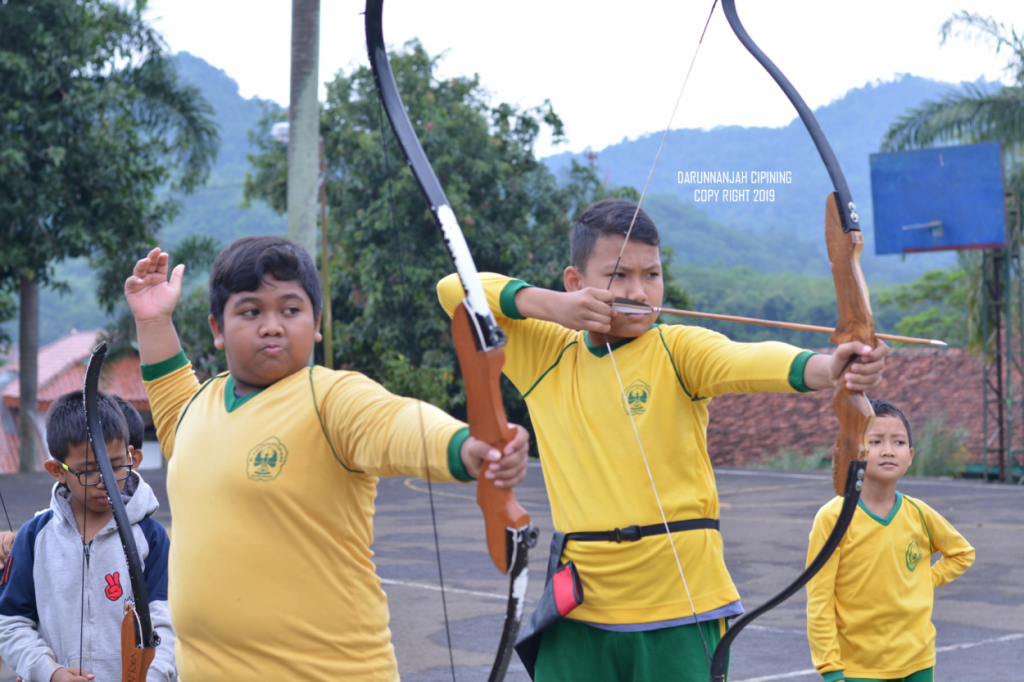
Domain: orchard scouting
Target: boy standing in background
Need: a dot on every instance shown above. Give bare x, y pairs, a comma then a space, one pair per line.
869, 609
65, 585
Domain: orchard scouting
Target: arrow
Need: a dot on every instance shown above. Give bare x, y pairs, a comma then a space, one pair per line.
626, 305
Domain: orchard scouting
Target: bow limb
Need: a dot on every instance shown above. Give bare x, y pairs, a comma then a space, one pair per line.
479, 344
138, 638
856, 323
845, 242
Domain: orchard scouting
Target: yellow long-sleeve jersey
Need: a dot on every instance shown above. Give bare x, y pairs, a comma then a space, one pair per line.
593, 468
869, 610
272, 494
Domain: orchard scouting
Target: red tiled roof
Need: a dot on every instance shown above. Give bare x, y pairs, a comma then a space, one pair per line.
54, 360
121, 377
923, 383
8, 452
62, 369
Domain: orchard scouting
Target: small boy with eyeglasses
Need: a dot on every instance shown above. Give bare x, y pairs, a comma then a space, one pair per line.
65, 586
136, 435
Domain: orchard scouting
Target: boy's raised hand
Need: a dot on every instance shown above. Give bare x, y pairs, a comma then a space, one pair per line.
507, 469
151, 298
149, 293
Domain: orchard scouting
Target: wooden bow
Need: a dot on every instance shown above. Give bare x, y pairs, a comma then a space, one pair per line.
138, 638
856, 323
479, 344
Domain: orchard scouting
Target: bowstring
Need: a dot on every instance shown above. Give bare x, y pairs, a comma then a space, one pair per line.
419, 403
85, 548
6, 515
661, 509
611, 355
661, 146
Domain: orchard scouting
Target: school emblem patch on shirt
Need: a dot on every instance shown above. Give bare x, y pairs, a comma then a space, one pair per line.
266, 460
914, 555
638, 394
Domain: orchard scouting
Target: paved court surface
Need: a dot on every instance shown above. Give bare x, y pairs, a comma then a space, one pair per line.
766, 516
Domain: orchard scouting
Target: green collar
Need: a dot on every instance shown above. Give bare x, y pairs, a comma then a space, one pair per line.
600, 351
232, 401
892, 514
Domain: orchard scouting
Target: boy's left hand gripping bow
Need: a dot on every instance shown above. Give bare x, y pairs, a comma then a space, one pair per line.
138, 639
479, 343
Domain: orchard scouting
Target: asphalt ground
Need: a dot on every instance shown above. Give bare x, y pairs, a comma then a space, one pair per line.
766, 517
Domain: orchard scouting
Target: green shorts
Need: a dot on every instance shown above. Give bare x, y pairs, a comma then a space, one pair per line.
573, 651
926, 675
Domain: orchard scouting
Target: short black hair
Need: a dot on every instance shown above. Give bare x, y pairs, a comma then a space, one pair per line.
66, 427
136, 427
607, 218
883, 408
244, 264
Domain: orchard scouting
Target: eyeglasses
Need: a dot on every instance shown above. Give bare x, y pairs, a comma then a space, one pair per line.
93, 477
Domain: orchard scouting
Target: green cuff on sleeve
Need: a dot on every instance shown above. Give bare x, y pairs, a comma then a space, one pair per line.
508, 299
455, 464
834, 676
164, 367
796, 372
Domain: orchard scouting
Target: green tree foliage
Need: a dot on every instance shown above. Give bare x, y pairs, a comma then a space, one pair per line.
936, 305
388, 254
92, 119
8, 311
785, 297
93, 122
973, 114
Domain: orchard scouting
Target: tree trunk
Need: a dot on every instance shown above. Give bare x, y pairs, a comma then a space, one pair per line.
28, 372
304, 124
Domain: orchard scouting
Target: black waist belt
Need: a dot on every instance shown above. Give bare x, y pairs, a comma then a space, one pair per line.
634, 533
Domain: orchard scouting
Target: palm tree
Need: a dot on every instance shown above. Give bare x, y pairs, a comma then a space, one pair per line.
974, 113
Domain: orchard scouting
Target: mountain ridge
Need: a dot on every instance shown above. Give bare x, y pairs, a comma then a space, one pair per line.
855, 125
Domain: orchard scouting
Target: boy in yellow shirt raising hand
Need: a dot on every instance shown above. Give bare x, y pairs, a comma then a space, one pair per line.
623, 601
869, 610
272, 474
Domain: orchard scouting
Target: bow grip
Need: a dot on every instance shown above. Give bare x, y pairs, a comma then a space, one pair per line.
485, 412
135, 660
856, 323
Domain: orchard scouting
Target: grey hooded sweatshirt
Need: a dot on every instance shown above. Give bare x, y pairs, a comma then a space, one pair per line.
42, 596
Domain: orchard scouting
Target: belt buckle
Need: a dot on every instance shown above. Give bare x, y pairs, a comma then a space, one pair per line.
629, 534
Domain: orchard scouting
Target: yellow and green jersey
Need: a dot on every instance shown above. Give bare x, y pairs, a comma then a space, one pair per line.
594, 472
271, 573
869, 610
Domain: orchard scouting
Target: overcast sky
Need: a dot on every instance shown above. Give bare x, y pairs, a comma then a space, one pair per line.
612, 69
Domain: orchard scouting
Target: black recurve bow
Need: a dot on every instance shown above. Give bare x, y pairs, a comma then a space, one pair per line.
844, 239
138, 638
479, 344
